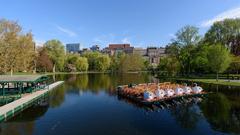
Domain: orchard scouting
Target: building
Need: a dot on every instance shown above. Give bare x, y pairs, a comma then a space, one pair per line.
113, 49
73, 48
84, 50
154, 54
141, 51
95, 48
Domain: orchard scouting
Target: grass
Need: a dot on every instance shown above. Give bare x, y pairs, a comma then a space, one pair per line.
213, 81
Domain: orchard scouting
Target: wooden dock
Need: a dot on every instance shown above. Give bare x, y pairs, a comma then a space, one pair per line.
9, 110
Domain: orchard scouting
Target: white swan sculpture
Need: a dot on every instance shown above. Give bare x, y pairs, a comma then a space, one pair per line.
179, 90
160, 93
197, 89
148, 95
187, 90
169, 92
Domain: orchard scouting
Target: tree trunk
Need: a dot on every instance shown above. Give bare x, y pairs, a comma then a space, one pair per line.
54, 66
11, 71
217, 76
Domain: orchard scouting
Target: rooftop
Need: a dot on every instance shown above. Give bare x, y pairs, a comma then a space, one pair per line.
21, 78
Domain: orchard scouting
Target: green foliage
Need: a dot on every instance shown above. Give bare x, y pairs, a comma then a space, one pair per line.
188, 35
102, 63
82, 64
199, 60
218, 58
76, 63
183, 47
97, 61
56, 53
226, 33
235, 64
131, 62
169, 64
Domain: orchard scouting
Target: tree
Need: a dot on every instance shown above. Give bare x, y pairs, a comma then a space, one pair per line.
227, 33
102, 62
131, 62
82, 64
56, 53
199, 59
97, 61
115, 61
17, 51
183, 46
188, 35
235, 64
91, 57
44, 63
169, 64
218, 59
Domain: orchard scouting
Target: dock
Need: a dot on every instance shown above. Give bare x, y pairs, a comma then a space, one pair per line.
11, 109
135, 93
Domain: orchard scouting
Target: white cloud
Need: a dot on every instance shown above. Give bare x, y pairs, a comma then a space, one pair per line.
126, 40
232, 13
70, 33
39, 42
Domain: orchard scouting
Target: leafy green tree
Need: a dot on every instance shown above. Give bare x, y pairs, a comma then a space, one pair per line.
235, 64
169, 64
188, 35
56, 53
82, 64
131, 62
226, 33
218, 58
91, 57
115, 61
184, 45
199, 59
102, 62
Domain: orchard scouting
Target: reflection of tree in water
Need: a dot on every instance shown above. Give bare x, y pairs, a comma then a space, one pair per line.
187, 115
106, 82
132, 78
57, 96
23, 123
25, 128
221, 113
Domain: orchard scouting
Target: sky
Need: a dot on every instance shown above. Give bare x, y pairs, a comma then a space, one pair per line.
141, 23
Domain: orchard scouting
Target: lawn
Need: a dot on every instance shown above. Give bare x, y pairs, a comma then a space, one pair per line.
212, 81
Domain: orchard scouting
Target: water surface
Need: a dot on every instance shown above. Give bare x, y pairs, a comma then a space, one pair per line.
88, 104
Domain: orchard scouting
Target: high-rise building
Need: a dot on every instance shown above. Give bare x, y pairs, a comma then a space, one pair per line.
73, 47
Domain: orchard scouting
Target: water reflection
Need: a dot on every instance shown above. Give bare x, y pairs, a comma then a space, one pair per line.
93, 96
222, 114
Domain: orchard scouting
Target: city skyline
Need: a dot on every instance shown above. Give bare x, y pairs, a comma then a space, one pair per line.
140, 23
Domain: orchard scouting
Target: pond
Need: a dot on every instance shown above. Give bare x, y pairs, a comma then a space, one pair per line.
88, 104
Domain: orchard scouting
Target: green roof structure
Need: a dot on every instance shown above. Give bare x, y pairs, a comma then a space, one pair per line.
22, 78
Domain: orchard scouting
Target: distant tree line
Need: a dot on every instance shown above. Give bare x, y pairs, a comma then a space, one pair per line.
18, 53
216, 52
188, 53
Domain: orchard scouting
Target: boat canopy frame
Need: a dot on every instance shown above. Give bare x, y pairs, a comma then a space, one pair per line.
12, 87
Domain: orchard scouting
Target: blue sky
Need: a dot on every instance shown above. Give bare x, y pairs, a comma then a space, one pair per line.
139, 22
